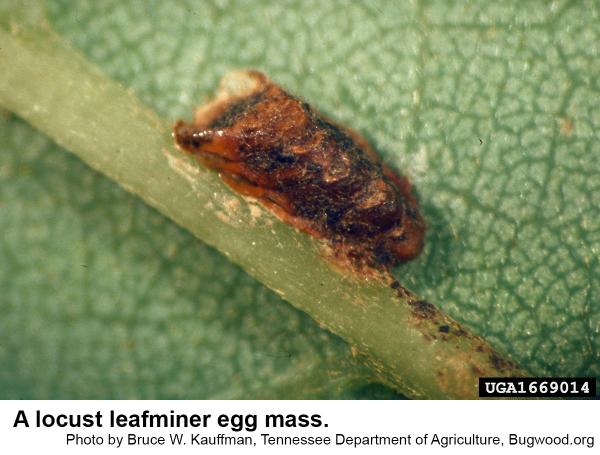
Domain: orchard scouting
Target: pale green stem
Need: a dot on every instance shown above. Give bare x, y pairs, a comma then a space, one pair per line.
56, 90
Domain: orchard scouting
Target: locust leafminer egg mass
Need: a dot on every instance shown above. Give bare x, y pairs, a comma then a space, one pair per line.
314, 174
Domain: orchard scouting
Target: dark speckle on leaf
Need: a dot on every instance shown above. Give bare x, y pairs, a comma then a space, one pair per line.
423, 309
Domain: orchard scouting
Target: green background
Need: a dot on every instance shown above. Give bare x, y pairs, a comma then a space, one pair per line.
492, 110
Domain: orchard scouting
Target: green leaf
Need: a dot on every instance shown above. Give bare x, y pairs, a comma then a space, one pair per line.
103, 297
489, 109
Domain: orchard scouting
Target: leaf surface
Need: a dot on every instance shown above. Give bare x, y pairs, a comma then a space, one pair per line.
491, 110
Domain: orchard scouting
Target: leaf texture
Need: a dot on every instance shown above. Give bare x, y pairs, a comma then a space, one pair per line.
490, 109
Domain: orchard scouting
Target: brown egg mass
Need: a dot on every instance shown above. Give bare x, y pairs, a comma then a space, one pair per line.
314, 174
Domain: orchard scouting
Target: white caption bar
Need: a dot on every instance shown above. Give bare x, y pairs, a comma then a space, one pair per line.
320, 426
